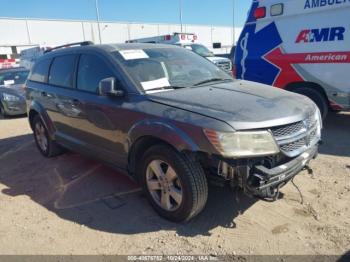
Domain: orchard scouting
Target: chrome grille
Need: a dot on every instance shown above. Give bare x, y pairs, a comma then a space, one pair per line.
290, 147
288, 130
295, 138
226, 66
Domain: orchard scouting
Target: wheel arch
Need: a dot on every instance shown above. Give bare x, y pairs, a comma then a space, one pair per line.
37, 109
293, 87
31, 115
144, 135
139, 147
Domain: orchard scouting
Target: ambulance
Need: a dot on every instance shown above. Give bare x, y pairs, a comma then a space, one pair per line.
299, 45
188, 41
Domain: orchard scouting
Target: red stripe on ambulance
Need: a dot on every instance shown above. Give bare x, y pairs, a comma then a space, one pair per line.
285, 63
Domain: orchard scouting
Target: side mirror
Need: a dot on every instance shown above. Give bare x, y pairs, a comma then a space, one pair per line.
107, 87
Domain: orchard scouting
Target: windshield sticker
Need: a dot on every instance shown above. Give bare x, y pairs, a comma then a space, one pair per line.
155, 84
133, 54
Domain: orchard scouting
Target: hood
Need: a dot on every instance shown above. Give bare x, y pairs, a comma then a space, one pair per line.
215, 59
241, 104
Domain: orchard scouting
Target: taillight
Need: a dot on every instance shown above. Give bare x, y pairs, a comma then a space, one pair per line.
260, 12
167, 37
183, 37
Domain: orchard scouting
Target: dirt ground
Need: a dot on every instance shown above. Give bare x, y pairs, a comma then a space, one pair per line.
73, 205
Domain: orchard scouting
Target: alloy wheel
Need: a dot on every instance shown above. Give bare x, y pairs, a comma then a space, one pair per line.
40, 135
164, 185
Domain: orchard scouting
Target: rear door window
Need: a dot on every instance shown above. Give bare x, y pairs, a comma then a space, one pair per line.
91, 70
62, 71
40, 71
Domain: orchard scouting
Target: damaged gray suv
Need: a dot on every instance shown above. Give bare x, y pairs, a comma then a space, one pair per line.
171, 120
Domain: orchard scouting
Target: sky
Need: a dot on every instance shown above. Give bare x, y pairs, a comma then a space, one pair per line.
209, 12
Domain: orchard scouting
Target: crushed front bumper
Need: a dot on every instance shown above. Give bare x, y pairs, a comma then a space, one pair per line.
262, 181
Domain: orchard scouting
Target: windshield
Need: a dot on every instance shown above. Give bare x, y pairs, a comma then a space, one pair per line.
159, 69
13, 77
200, 50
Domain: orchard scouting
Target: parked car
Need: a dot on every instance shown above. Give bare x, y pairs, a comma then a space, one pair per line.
12, 94
222, 62
171, 120
189, 41
301, 46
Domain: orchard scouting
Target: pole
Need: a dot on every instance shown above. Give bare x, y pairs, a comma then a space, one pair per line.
233, 23
98, 21
180, 11
82, 27
28, 34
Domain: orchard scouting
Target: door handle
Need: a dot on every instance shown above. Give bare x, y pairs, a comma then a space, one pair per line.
76, 102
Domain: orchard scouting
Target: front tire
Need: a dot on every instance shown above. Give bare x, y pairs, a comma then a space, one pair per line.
45, 144
174, 183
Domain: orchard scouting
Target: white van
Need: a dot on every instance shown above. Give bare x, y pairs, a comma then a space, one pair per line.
299, 45
189, 41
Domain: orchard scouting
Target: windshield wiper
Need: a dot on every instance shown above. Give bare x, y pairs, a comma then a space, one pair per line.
177, 87
165, 88
211, 80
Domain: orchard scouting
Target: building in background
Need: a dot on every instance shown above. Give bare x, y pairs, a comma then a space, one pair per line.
19, 34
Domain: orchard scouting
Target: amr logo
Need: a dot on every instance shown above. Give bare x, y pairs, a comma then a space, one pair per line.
321, 35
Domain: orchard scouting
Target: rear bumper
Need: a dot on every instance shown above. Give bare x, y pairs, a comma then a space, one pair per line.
262, 178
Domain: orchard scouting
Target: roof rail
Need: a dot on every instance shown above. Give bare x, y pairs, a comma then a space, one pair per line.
84, 43
179, 33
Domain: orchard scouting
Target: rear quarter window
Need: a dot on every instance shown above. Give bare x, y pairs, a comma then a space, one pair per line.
40, 71
62, 71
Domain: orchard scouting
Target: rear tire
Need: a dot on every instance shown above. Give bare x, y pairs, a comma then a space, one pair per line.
184, 185
45, 144
317, 97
